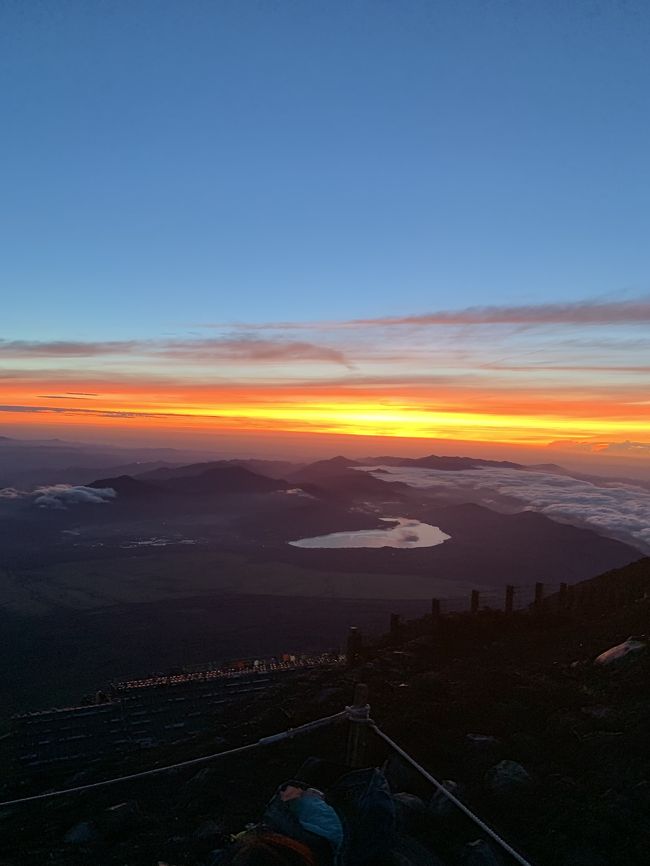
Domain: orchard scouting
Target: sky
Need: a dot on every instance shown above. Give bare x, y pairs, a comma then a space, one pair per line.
415, 220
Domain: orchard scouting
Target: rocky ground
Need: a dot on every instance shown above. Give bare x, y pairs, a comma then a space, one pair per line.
547, 746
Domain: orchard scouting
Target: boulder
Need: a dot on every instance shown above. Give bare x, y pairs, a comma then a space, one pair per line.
441, 806
524, 745
209, 830
200, 781
597, 712
410, 852
430, 684
479, 853
401, 776
482, 752
584, 855
122, 816
327, 695
410, 811
483, 741
507, 777
82, 833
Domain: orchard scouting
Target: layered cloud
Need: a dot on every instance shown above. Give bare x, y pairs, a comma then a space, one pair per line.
582, 313
61, 496
528, 375
587, 312
615, 509
64, 348
230, 348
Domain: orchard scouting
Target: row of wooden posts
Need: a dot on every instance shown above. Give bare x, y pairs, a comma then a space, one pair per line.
569, 599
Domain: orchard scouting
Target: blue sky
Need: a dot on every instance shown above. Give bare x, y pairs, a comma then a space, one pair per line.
406, 219
170, 164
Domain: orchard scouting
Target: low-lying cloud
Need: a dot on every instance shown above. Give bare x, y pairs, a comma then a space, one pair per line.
614, 509
61, 496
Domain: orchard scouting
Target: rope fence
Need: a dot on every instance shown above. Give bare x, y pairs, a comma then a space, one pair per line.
204, 759
445, 792
357, 714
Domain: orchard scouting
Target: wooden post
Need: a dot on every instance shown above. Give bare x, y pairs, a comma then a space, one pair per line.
539, 597
562, 598
435, 623
570, 597
510, 599
395, 627
474, 603
358, 733
353, 647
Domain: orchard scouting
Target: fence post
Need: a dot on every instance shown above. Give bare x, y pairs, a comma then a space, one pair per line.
474, 602
353, 647
570, 597
358, 732
395, 627
510, 599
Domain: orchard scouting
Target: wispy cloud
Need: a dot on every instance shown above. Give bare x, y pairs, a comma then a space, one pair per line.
579, 313
64, 348
230, 348
98, 413
61, 397
528, 373
589, 312
251, 349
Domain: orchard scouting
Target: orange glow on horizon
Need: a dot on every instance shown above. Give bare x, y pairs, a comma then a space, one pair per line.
417, 412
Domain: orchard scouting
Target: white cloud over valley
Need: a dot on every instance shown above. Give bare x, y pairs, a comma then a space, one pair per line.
61, 496
615, 509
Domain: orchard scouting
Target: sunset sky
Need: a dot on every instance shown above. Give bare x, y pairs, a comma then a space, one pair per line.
415, 220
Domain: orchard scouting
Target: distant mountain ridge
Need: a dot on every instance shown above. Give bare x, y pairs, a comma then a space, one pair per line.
268, 468
457, 464
216, 481
224, 480
323, 469
126, 487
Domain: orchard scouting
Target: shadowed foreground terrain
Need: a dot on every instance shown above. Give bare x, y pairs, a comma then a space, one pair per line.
487, 689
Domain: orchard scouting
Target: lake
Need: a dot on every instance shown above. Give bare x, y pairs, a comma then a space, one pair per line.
405, 534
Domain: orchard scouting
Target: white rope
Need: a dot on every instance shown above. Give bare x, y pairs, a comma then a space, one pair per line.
440, 787
356, 715
264, 741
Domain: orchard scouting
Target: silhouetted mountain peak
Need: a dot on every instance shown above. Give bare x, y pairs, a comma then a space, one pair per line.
224, 480
324, 468
435, 461
126, 486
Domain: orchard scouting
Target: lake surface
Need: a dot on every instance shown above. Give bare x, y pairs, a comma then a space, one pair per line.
406, 533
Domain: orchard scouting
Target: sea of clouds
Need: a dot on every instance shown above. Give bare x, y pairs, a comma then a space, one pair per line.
615, 509
60, 496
